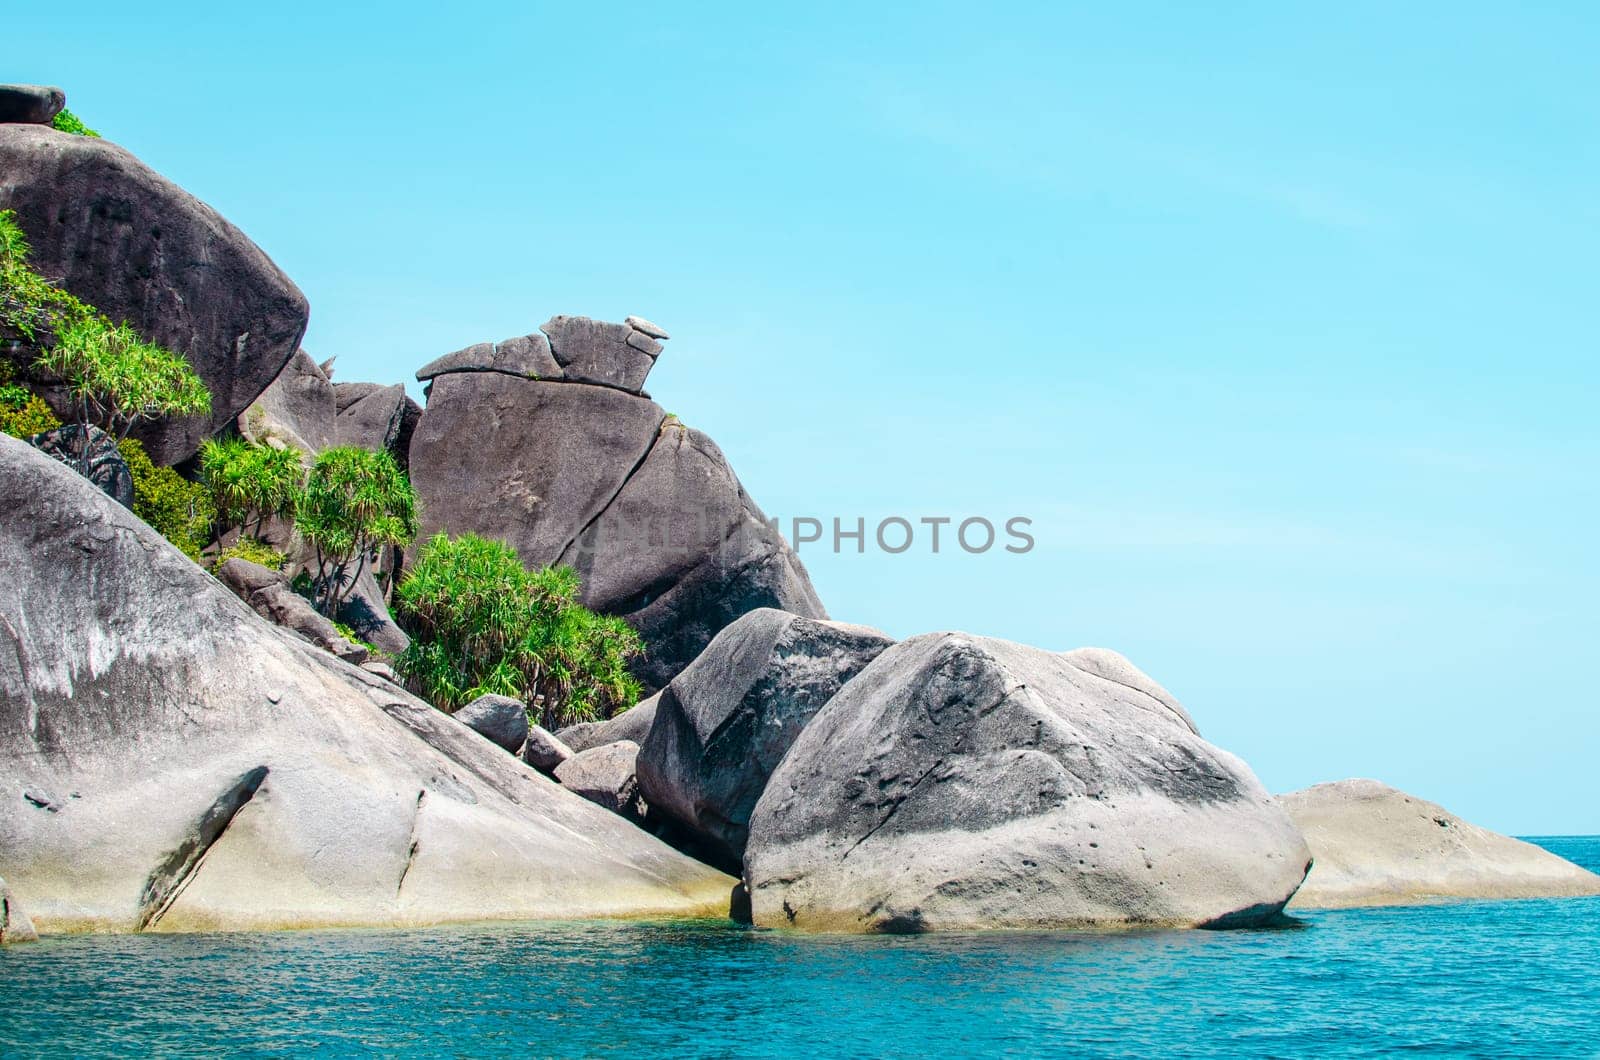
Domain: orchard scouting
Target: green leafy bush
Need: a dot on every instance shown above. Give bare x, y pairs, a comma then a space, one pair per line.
354, 502
68, 122
252, 551
116, 379
23, 414
250, 482
481, 622
349, 634
179, 509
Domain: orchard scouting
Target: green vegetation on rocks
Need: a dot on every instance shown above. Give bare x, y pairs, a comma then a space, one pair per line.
481, 622
354, 502
179, 509
68, 122
250, 482
250, 550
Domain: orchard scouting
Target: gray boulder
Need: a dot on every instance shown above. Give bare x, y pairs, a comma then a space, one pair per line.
15, 925
960, 782
605, 776
544, 750
1376, 845
268, 593
632, 724
93, 454
725, 722
367, 613
229, 776
370, 416
297, 410
30, 104
111, 231
527, 357
499, 719
593, 351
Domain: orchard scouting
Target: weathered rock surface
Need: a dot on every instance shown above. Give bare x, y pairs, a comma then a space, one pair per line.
526, 356
1376, 845
297, 410
605, 775
632, 724
370, 416
499, 719
268, 593
15, 925
723, 724
30, 104
111, 231
544, 750
961, 782
93, 454
593, 351
229, 776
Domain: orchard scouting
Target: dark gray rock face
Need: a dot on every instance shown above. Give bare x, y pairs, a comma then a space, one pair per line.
605, 776
725, 722
93, 454
961, 782
632, 724
370, 416
593, 351
268, 594
646, 510
297, 410
366, 612
30, 104
527, 357
544, 750
499, 719
117, 235
213, 772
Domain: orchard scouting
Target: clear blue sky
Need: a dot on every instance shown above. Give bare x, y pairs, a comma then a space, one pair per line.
1280, 324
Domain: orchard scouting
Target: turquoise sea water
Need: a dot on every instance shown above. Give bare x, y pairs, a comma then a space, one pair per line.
1514, 979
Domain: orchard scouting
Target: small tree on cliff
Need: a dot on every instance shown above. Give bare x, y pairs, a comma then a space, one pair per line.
480, 622
354, 502
250, 482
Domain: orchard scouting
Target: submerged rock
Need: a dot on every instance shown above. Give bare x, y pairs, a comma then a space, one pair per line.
1376, 845
499, 719
961, 782
229, 776
111, 231
723, 725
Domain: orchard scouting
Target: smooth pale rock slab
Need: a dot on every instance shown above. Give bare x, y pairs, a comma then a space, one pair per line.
15, 925
1376, 845
961, 782
650, 329
107, 228
499, 719
724, 723
605, 775
31, 104
632, 724
296, 411
544, 750
229, 776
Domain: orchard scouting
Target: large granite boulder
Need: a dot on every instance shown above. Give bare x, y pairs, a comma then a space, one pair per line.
724, 723
501, 720
116, 234
269, 595
593, 351
1376, 845
215, 772
544, 750
632, 724
15, 924
297, 410
960, 782
30, 104
605, 775
647, 511
370, 415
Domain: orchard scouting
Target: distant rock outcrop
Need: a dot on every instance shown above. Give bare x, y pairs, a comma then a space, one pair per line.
296, 411
30, 104
177, 763
960, 782
724, 723
108, 229
578, 468
1376, 845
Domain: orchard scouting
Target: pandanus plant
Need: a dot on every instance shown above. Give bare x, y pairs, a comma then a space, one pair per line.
354, 502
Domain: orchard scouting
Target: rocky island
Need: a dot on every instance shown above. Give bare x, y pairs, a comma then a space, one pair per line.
254, 668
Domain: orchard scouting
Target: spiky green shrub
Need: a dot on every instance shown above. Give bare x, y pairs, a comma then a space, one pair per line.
179, 509
250, 482
252, 551
481, 622
68, 122
354, 502
115, 379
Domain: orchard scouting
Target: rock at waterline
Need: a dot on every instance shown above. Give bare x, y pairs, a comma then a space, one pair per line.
960, 782
723, 724
273, 785
15, 926
108, 229
1376, 845
501, 720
